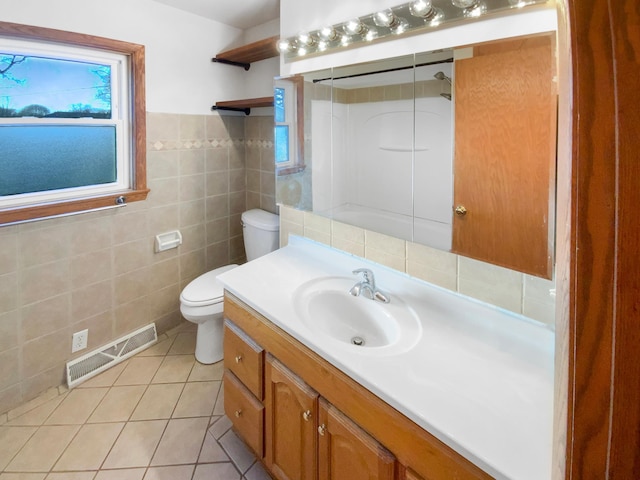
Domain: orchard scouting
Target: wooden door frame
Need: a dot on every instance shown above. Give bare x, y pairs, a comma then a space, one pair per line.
598, 271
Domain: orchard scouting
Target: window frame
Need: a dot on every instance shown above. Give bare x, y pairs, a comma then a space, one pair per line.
137, 135
294, 113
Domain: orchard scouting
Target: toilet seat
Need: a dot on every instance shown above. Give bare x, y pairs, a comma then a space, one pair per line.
205, 289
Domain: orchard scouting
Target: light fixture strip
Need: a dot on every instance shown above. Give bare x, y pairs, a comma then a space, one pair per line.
418, 16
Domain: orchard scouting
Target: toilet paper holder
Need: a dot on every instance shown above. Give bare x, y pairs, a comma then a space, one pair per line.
168, 240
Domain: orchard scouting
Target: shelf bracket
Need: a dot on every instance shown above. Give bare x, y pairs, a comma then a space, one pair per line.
246, 66
246, 111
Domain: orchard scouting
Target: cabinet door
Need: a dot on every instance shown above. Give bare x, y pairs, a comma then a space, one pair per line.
346, 452
505, 150
291, 423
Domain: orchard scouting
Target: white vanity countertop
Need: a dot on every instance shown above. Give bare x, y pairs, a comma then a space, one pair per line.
480, 378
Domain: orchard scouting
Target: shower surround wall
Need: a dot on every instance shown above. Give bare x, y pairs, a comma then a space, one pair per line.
99, 271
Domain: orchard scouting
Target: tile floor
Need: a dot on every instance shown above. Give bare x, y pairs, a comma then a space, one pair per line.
157, 416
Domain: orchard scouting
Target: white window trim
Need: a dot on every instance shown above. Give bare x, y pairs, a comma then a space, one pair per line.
120, 118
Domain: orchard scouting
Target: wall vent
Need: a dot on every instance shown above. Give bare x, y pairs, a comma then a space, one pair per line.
93, 363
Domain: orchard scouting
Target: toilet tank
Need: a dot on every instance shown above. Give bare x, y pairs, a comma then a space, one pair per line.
261, 232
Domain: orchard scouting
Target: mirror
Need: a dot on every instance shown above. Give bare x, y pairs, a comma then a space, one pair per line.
379, 150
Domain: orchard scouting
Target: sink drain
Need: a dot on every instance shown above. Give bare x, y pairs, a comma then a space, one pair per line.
359, 341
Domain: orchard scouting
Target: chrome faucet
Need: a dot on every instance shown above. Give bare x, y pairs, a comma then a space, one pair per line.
367, 286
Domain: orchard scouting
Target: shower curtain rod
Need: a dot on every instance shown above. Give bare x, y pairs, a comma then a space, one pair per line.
448, 60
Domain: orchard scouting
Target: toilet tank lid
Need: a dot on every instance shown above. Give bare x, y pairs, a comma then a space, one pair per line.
205, 289
261, 219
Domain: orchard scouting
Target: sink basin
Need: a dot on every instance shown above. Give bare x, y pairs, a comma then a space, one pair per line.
327, 308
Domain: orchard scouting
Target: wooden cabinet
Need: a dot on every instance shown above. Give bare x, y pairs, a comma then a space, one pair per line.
244, 386
291, 424
346, 452
317, 420
244, 358
505, 152
245, 411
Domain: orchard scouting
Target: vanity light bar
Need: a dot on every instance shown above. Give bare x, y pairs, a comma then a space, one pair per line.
418, 16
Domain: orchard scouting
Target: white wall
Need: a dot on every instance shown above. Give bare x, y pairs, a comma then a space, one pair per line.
298, 16
179, 46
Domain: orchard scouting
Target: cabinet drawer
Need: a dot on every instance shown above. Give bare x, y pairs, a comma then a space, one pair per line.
244, 358
245, 412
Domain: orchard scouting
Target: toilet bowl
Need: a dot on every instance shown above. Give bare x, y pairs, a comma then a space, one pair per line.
201, 301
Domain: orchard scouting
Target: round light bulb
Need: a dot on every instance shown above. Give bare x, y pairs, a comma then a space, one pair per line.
355, 27
384, 18
465, 3
329, 34
285, 45
307, 40
421, 8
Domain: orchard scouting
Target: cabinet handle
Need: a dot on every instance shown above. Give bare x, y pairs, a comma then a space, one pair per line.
238, 358
238, 413
306, 415
322, 429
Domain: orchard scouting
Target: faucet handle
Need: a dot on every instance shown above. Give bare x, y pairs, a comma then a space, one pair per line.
366, 273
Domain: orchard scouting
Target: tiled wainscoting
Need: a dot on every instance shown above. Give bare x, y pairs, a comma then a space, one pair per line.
514, 291
98, 271
157, 416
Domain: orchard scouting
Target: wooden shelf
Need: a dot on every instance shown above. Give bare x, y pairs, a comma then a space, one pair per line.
247, 54
244, 105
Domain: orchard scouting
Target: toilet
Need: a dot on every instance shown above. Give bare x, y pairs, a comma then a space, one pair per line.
201, 300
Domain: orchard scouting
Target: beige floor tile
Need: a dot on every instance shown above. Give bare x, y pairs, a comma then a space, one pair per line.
160, 349
216, 471
49, 394
181, 472
43, 449
175, 368
89, 448
181, 442
204, 373
12, 439
126, 474
106, 378
139, 371
38, 415
158, 402
184, 344
22, 476
136, 444
238, 452
71, 476
197, 400
118, 404
212, 451
219, 408
220, 426
77, 406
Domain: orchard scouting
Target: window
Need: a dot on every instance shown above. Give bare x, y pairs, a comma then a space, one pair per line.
72, 134
288, 131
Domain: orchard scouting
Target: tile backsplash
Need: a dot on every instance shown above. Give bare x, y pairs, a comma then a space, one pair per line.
508, 289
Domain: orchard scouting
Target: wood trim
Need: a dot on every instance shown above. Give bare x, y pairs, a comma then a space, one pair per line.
252, 52
139, 189
411, 444
48, 210
603, 284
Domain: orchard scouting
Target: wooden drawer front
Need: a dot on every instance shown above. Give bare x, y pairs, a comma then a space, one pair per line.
246, 413
244, 358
